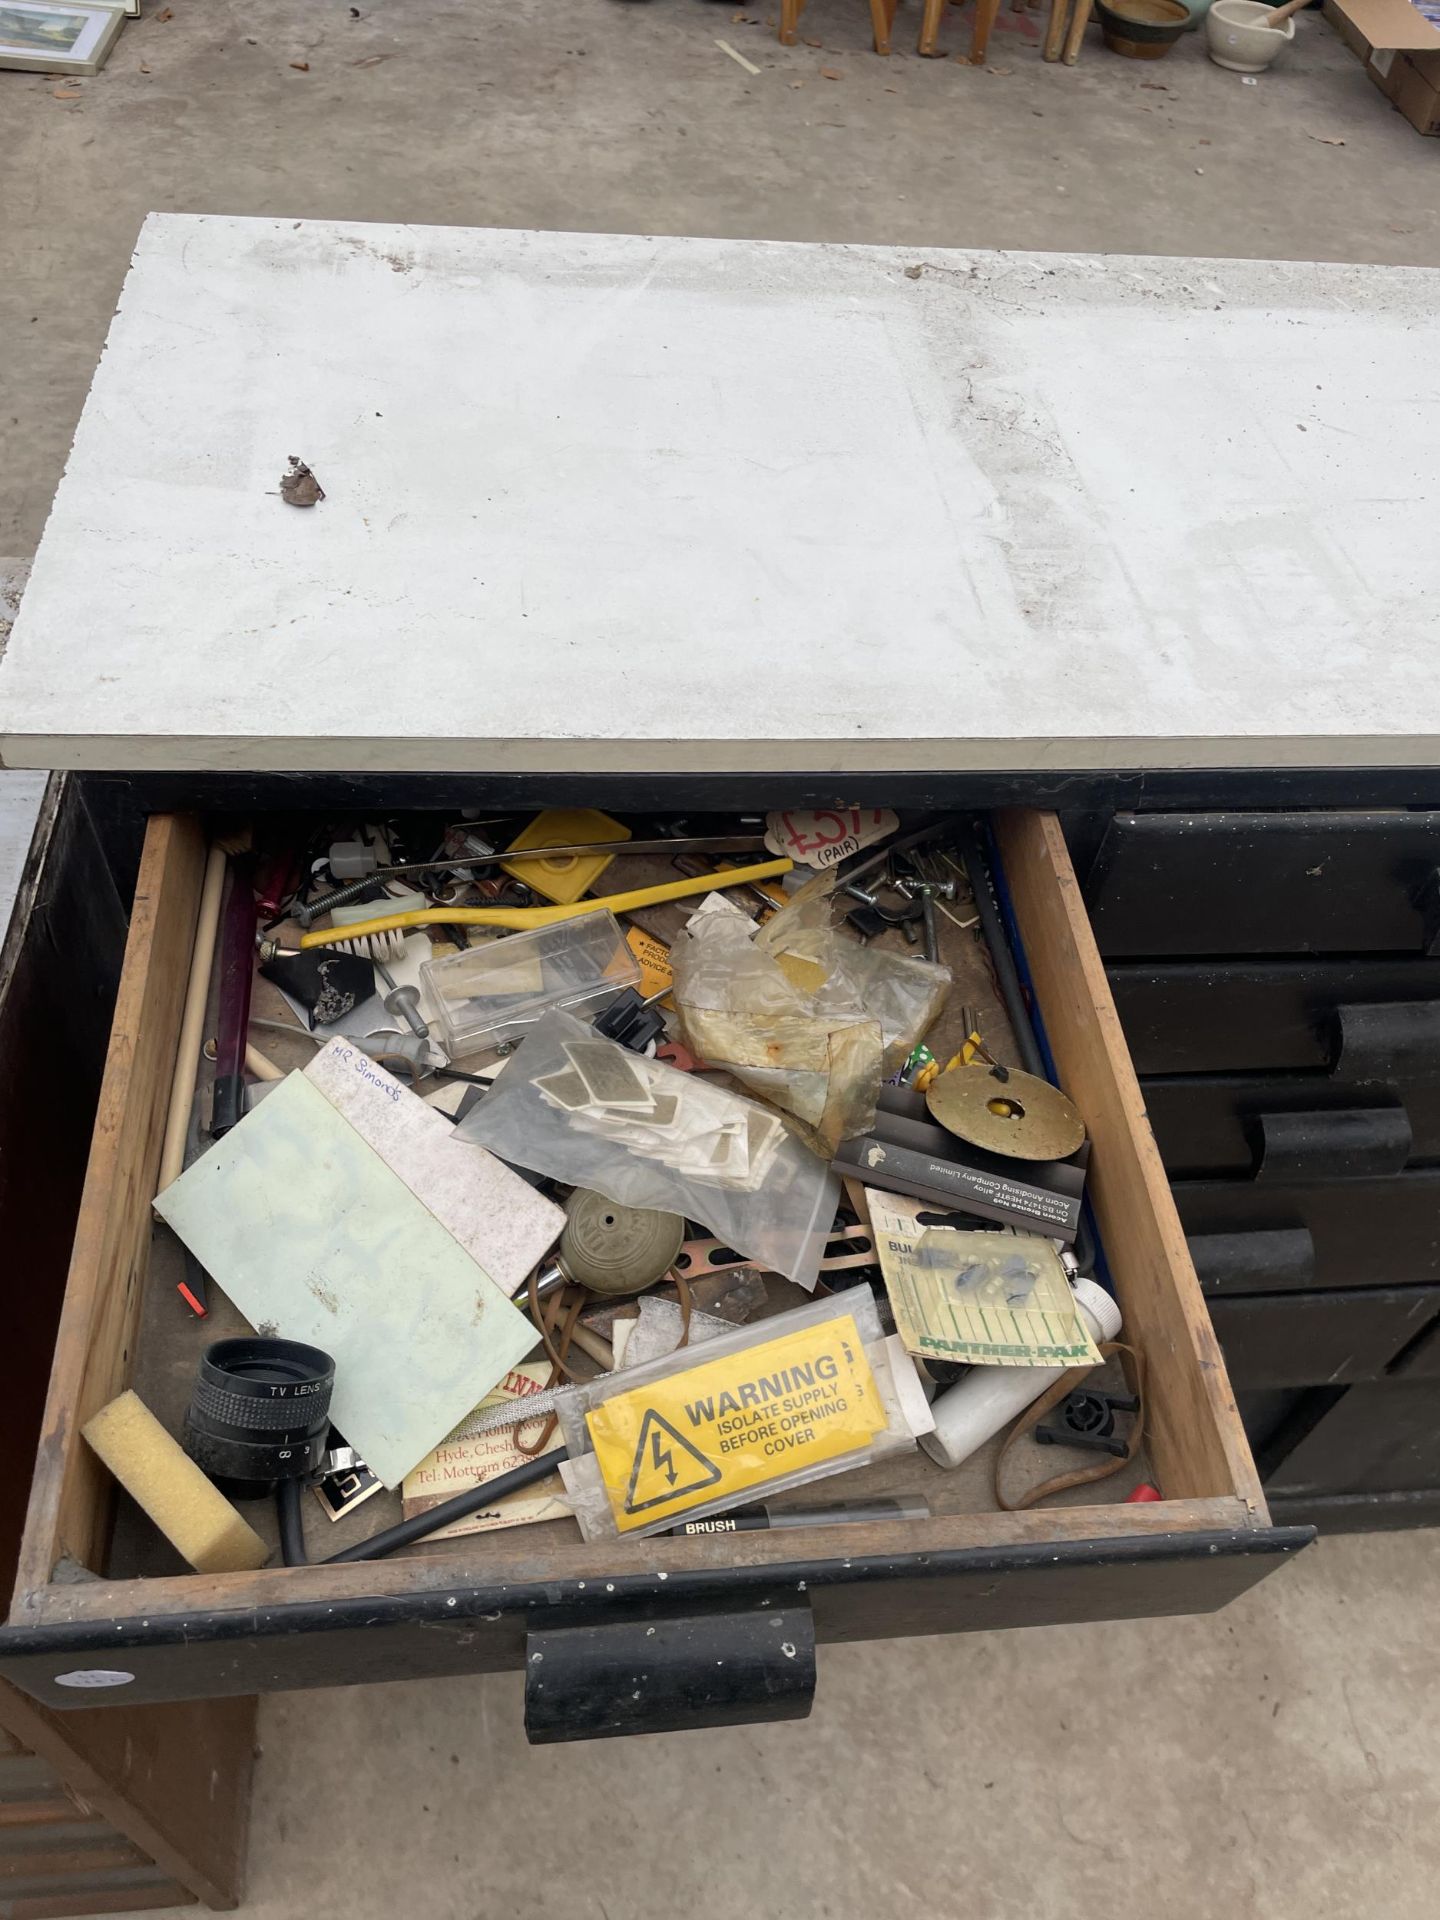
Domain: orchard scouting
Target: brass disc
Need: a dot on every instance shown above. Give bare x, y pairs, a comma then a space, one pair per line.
1023, 1117
617, 1250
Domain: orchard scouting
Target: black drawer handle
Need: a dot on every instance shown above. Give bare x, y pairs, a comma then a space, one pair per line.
667, 1674
1395, 1042
1355, 1143
1267, 1260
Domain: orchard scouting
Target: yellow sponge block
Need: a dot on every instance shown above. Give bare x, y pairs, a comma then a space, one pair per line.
162, 1478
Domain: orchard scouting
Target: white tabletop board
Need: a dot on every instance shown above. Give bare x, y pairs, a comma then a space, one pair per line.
20, 793
599, 502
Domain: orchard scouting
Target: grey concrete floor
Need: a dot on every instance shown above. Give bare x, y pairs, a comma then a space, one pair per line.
1281, 1759
623, 114
1278, 1761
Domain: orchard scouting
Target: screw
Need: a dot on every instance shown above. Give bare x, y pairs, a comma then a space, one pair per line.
403, 1003
928, 892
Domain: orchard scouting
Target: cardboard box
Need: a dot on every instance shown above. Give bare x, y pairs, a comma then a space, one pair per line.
1348, 32
1417, 97
1401, 53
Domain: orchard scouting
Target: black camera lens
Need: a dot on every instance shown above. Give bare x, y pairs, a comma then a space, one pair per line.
259, 1414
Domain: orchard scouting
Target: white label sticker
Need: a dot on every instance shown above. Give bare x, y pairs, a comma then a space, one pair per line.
94, 1677
821, 839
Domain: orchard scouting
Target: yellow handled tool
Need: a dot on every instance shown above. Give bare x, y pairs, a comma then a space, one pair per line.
517, 919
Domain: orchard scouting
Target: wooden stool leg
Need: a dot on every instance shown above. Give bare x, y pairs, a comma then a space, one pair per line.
882, 18
985, 14
930, 30
1055, 33
1079, 20
790, 11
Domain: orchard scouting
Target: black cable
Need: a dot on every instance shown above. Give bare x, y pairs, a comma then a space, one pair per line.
460, 1508
292, 1525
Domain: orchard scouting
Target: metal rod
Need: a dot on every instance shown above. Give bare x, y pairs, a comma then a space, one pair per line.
713, 843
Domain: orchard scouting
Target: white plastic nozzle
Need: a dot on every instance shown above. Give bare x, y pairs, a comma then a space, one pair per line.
989, 1398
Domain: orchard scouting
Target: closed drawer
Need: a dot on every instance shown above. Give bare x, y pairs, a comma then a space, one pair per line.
1327, 1339
1361, 1233
1289, 1126
1254, 1016
1374, 1439
469, 1605
1250, 883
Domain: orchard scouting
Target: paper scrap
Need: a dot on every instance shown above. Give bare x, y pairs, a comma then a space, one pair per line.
458, 1464
738, 58
499, 1219
653, 957
937, 1317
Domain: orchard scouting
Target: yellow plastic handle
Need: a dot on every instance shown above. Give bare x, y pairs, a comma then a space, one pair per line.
517, 919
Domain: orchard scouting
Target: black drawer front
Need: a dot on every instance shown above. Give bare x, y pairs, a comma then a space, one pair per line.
1365, 1233
1298, 1124
1358, 1512
1253, 883
1260, 1016
1325, 1339
210, 1655
1374, 1439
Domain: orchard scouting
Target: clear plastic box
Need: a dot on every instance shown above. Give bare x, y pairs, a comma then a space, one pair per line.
494, 994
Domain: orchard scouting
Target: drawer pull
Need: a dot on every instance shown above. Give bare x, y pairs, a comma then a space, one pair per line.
1353, 1144
1265, 1261
665, 1675
1395, 1042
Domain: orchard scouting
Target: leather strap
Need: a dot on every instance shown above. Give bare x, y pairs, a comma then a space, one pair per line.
1133, 1365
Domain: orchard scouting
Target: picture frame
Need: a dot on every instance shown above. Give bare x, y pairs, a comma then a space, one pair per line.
57, 36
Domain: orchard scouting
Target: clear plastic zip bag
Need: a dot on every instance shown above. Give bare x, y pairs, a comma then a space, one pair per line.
579, 1108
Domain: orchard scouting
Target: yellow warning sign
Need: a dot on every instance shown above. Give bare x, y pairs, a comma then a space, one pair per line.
725, 1429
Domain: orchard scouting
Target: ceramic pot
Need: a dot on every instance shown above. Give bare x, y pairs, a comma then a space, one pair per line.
1142, 29
1238, 38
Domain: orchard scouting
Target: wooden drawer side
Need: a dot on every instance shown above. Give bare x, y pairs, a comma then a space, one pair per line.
1195, 1434
70, 1498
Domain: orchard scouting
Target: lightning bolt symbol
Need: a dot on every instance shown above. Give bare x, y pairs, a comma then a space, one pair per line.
662, 1457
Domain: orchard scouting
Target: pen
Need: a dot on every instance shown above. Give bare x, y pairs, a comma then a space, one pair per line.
844, 1513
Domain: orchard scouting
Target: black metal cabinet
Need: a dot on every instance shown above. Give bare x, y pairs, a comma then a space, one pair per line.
1278, 980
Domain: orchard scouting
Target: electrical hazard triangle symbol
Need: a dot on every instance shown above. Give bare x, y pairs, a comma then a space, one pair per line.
665, 1466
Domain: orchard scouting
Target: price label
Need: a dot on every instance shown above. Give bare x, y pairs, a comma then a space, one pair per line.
816, 837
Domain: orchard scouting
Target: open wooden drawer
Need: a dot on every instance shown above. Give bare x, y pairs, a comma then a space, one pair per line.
689, 1605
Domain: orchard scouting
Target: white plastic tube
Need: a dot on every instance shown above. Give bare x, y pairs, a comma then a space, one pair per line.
989, 1398
192, 1021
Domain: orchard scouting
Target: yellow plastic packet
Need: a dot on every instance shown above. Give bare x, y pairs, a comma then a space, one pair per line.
788, 1400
